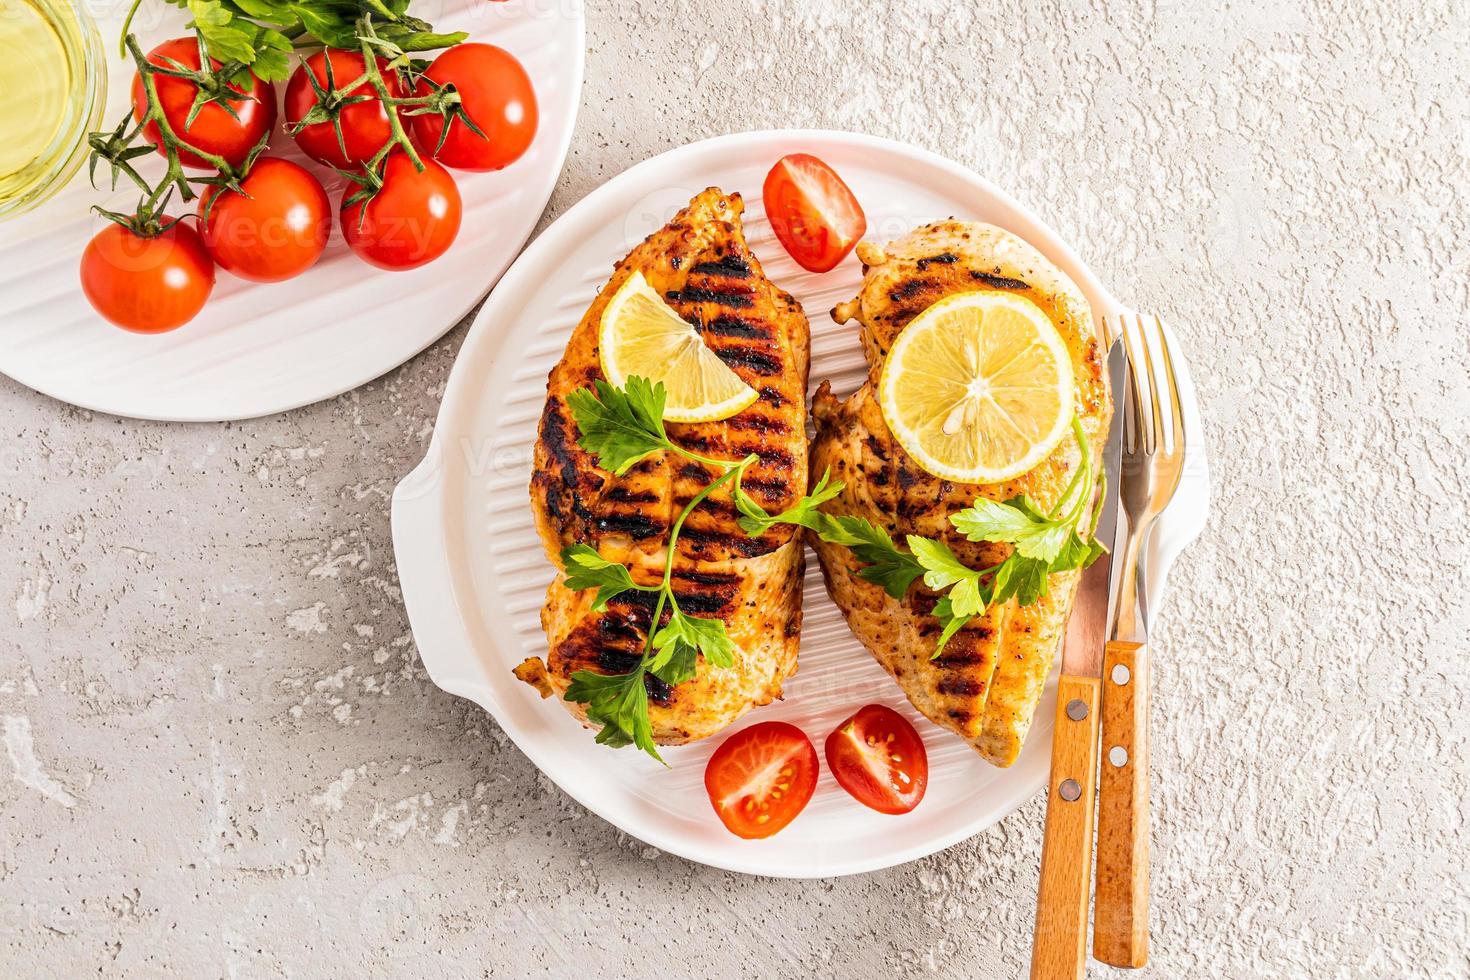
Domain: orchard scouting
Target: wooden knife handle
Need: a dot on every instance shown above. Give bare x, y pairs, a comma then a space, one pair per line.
1120, 929
1059, 950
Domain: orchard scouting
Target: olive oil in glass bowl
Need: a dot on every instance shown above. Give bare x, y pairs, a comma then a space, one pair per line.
52, 85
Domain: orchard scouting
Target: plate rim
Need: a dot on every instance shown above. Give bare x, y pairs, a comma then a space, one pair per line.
422, 496
576, 18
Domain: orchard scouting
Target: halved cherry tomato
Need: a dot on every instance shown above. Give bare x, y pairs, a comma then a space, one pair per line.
274, 231
496, 94
878, 757
761, 778
812, 212
410, 221
147, 285
365, 126
214, 130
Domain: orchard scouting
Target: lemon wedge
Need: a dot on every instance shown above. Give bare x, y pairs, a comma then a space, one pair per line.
642, 335
978, 387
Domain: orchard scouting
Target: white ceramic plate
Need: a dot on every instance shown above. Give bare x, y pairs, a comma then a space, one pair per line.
258, 349
474, 575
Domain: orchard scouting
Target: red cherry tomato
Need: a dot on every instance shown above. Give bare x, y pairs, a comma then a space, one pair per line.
276, 230
410, 221
214, 129
878, 757
365, 126
761, 778
496, 94
812, 212
147, 285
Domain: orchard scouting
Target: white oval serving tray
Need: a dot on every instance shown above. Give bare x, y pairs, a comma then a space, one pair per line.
473, 572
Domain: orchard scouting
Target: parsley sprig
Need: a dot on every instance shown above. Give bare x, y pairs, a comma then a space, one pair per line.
1043, 544
622, 426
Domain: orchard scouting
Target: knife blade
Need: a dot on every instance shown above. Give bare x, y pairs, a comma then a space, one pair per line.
1087, 629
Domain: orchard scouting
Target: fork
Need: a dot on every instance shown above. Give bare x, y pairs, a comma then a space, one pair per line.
1153, 461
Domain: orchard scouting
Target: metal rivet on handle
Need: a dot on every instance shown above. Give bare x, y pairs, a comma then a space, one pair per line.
1118, 756
1070, 790
1076, 709
1121, 674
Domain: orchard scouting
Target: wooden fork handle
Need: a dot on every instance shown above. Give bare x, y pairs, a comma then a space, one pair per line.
1120, 926
1059, 949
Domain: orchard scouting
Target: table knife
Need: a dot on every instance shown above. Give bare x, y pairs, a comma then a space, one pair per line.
1059, 949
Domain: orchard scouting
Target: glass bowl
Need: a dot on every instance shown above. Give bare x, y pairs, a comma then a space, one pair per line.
61, 41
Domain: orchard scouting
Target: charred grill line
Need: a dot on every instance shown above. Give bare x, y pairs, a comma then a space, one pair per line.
910, 288
733, 266
740, 299
727, 325
636, 526
622, 495
999, 282
943, 258
757, 362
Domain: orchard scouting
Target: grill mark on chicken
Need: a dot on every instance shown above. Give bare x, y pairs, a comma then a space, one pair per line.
740, 299
772, 397
734, 266
765, 489
735, 326
758, 424
558, 446
756, 362
910, 288
703, 603
636, 526
708, 578
943, 258
999, 282
622, 495
775, 457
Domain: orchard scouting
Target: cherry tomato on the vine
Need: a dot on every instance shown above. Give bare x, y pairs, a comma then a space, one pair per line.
761, 777
496, 94
878, 757
410, 221
147, 285
275, 230
365, 126
812, 212
214, 130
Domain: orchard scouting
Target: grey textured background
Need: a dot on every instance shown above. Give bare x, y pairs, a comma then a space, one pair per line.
222, 756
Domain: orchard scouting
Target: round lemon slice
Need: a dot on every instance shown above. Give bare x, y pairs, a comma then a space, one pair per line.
978, 387
642, 335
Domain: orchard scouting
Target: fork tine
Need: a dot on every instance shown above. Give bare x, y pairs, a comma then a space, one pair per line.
1156, 414
1174, 402
1132, 422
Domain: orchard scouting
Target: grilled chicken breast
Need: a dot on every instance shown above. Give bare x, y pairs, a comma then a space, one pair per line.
986, 684
701, 264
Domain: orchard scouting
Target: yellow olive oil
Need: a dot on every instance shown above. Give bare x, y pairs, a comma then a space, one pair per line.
51, 88
35, 75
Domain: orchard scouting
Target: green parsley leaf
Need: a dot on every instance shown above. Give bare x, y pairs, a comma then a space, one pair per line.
885, 564
755, 521
680, 663
952, 622
990, 520
618, 703
620, 426
707, 636
586, 569
942, 568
